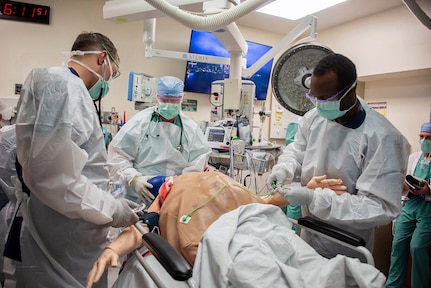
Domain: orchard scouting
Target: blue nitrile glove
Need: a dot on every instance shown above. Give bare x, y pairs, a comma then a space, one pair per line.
156, 182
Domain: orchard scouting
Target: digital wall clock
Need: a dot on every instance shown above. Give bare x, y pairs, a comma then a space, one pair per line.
19, 11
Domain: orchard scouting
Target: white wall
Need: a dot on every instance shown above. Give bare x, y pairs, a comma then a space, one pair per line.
403, 96
390, 42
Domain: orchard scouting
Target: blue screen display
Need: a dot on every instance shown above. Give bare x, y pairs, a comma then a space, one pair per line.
199, 75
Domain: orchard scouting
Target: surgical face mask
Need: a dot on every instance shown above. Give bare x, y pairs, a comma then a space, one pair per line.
168, 110
425, 145
331, 109
101, 87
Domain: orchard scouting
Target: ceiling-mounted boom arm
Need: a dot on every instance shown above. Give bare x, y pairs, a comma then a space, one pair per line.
207, 22
308, 22
222, 25
149, 39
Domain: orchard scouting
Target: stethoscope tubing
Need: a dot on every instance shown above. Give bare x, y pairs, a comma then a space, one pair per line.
155, 114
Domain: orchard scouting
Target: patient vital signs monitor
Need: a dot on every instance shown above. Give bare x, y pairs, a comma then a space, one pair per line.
218, 137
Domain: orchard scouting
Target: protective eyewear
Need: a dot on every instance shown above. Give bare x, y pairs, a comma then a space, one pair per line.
315, 100
170, 99
423, 136
117, 73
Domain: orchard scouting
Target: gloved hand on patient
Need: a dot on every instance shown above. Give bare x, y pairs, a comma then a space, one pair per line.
279, 176
140, 184
123, 215
298, 195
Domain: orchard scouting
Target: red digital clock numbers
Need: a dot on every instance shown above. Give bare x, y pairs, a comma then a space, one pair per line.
19, 11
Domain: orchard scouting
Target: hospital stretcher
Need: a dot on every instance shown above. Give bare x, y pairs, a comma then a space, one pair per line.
181, 271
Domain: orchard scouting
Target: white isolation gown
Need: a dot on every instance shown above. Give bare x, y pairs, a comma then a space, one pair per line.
63, 156
371, 160
148, 146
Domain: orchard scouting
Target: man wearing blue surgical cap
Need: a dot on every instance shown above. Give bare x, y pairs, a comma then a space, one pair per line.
158, 141
343, 138
412, 229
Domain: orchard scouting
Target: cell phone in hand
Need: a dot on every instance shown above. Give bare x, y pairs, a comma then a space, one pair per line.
412, 180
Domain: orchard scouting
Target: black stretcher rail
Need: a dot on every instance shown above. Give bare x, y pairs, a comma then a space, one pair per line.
332, 231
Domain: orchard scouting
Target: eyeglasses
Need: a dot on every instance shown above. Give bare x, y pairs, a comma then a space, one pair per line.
117, 73
315, 100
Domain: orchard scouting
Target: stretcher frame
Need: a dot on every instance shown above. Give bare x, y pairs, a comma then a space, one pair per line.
180, 270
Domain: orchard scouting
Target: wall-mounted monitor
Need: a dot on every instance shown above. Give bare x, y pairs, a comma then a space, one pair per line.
199, 75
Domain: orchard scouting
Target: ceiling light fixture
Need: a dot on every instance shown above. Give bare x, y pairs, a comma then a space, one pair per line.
294, 10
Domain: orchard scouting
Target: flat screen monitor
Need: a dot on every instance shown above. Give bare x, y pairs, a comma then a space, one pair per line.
199, 75
218, 136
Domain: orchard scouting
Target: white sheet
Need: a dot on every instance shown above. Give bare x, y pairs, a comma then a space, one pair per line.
254, 246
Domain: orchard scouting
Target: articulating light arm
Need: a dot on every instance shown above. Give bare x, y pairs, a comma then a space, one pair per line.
289, 38
210, 22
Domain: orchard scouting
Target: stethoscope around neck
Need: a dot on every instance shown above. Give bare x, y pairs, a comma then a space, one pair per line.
157, 116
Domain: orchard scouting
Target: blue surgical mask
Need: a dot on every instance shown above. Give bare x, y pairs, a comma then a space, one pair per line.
169, 110
425, 145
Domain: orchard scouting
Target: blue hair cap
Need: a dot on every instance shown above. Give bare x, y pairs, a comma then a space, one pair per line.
426, 127
170, 86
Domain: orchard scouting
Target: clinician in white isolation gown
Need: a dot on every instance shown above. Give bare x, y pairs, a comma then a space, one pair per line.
7, 191
157, 141
61, 150
343, 138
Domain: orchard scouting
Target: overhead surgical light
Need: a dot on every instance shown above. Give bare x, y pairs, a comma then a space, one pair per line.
291, 76
294, 10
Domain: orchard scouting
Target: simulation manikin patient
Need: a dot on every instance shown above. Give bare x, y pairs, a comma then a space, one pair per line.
204, 197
